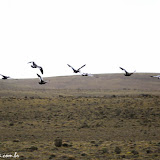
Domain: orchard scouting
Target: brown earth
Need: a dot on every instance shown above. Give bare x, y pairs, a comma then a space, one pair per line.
107, 116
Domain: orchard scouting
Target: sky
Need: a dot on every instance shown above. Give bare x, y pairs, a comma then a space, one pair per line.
103, 34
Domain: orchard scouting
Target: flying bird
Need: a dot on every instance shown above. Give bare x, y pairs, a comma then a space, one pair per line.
76, 70
87, 74
34, 65
158, 76
4, 77
127, 73
41, 80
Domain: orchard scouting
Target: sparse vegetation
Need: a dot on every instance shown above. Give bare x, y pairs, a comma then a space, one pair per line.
91, 123
58, 142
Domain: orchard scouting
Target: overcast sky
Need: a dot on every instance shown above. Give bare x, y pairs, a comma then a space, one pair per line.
103, 34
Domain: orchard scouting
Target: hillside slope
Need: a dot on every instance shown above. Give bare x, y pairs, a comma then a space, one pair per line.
102, 82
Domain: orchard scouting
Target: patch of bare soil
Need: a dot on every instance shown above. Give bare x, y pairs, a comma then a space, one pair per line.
80, 127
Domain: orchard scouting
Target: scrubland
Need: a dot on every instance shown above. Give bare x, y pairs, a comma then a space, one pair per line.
107, 117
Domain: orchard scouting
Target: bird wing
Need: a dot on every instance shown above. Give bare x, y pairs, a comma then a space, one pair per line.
4, 76
81, 67
70, 66
41, 69
123, 69
84, 74
156, 76
40, 77
87, 74
32, 62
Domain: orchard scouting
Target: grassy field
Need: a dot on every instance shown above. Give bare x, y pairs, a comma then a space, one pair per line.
106, 117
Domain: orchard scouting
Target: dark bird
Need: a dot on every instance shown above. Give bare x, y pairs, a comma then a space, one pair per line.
4, 77
76, 70
127, 73
158, 76
34, 65
41, 80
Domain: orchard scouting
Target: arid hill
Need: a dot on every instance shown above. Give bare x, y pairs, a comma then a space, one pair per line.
102, 84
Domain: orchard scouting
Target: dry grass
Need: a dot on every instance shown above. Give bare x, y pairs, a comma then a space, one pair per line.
87, 126
92, 123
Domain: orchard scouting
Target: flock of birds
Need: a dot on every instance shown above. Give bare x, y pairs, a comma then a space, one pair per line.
34, 65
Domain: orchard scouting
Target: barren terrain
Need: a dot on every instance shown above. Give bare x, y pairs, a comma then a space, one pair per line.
106, 117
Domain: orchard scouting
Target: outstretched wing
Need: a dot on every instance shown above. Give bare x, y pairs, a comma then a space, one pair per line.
41, 69
30, 62
41, 79
33, 63
87, 74
5, 77
158, 76
71, 67
81, 67
123, 69
84, 74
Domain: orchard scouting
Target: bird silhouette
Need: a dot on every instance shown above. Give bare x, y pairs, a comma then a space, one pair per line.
127, 73
41, 80
34, 65
76, 70
158, 76
87, 74
4, 77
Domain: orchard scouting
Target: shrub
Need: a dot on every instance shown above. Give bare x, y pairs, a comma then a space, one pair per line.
58, 142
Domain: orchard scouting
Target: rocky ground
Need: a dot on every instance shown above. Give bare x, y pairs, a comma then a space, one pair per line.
116, 126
